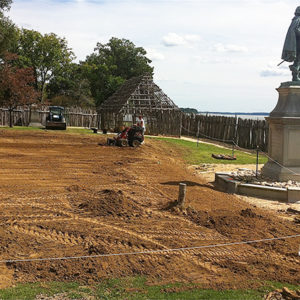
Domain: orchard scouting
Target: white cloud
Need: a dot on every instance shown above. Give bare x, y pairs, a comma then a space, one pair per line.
272, 70
229, 48
154, 55
173, 39
213, 60
273, 73
192, 38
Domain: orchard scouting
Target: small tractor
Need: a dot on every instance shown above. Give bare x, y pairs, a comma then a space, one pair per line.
131, 136
56, 119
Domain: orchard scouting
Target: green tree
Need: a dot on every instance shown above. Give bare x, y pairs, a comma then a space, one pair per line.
8, 35
189, 110
47, 54
113, 63
71, 88
8, 31
5, 4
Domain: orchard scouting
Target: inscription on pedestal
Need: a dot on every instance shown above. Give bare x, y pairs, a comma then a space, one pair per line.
276, 142
35, 117
293, 145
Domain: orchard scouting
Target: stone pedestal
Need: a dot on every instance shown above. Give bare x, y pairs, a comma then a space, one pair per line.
284, 135
35, 119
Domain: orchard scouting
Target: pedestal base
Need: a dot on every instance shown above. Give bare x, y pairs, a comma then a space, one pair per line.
36, 124
35, 120
284, 136
278, 173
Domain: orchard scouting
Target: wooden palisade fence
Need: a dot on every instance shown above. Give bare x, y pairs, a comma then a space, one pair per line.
75, 116
246, 133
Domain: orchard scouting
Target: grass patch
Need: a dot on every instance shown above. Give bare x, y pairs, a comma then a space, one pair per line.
25, 128
29, 291
134, 288
79, 130
68, 130
202, 154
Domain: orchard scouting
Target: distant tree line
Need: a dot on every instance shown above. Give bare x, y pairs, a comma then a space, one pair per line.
45, 65
189, 110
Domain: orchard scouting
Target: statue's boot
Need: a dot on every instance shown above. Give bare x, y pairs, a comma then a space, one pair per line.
295, 72
296, 76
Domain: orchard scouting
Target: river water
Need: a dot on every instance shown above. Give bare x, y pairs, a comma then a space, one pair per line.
253, 117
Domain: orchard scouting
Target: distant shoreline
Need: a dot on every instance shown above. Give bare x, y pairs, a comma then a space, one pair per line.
233, 113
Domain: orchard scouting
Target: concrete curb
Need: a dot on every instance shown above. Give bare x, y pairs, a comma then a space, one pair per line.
225, 183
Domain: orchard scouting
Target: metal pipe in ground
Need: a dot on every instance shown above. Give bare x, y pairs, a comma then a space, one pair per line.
257, 152
181, 195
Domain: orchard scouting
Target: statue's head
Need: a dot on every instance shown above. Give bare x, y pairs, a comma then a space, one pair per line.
297, 11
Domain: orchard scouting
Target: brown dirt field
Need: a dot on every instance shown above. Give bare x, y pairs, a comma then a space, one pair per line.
65, 195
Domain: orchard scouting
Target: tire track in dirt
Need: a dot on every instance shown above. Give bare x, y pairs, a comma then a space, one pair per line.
170, 216
221, 254
122, 231
206, 261
208, 236
71, 240
190, 255
40, 219
142, 236
63, 237
30, 206
211, 255
38, 215
32, 220
100, 223
53, 235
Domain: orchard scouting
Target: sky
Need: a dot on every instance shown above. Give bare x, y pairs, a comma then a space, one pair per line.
212, 55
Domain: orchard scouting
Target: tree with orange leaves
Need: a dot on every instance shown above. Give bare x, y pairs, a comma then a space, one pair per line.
16, 85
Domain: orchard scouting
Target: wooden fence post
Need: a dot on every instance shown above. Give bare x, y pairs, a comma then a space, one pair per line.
181, 195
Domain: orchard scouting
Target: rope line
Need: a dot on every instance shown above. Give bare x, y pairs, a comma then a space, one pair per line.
149, 251
231, 141
209, 137
234, 143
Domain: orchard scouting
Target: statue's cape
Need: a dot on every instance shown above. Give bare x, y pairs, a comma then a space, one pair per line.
290, 44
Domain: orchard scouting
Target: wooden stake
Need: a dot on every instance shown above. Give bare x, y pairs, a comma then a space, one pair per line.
181, 195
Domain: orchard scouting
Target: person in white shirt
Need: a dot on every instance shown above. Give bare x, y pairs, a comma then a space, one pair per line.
141, 123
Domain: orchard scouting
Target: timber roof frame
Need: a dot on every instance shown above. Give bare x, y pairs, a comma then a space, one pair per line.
138, 95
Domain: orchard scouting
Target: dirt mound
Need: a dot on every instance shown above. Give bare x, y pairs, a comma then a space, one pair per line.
109, 202
248, 213
232, 223
75, 188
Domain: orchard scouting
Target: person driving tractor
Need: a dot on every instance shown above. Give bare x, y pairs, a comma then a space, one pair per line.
141, 123
130, 136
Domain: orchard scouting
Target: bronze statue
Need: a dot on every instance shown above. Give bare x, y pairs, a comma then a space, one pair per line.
291, 48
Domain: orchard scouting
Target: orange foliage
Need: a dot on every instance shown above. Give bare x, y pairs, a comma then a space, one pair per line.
16, 84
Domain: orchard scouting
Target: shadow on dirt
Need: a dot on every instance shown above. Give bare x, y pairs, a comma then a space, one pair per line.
188, 183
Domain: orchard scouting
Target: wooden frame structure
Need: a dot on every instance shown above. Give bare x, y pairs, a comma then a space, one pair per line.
141, 96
